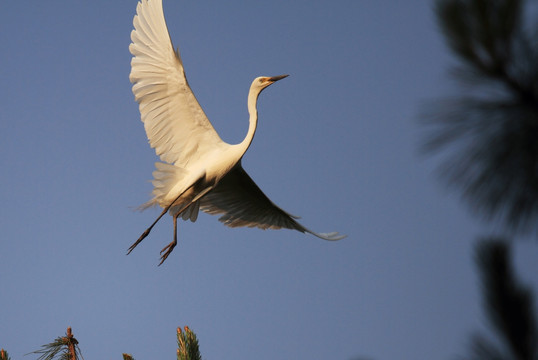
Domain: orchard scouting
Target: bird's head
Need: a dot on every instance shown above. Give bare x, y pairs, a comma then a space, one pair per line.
264, 81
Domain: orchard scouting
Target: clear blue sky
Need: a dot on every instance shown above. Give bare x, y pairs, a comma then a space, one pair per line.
337, 143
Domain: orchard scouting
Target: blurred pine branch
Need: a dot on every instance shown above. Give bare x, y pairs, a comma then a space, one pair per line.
508, 305
488, 132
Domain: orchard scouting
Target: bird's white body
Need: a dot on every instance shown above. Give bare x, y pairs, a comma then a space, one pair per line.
198, 171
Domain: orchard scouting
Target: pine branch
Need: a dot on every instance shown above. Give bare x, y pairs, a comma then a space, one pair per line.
4, 355
66, 348
62, 348
187, 345
128, 357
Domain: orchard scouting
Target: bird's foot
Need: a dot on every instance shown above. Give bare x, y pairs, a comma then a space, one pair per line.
142, 237
167, 251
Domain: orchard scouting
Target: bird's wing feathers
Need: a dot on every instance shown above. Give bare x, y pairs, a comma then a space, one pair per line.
242, 203
175, 124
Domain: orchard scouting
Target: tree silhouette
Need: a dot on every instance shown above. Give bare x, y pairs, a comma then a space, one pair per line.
508, 305
488, 133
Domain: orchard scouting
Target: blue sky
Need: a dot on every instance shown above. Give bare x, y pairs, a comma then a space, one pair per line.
337, 143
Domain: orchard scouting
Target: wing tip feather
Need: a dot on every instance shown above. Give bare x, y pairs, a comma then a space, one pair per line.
332, 236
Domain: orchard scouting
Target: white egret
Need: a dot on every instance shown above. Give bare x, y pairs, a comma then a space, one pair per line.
198, 171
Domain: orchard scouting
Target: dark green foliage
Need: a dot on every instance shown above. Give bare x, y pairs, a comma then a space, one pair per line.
489, 131
481, 32
508, 305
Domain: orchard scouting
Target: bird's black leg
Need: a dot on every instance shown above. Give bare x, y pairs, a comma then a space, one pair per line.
170, 247
146, 233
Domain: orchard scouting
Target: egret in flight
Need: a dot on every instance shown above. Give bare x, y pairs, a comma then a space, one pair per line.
198, 171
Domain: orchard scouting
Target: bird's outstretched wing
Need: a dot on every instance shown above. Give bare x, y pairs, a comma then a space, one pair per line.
175, 124
244, 204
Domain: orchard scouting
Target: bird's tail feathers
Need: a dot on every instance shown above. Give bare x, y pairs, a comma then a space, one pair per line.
165, 177
147, 205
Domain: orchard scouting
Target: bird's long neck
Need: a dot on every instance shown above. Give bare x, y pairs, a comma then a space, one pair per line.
253, 118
